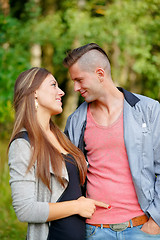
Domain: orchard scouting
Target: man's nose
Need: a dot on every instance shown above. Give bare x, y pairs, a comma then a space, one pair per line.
76, 86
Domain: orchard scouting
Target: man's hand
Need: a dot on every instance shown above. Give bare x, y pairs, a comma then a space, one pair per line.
151, 227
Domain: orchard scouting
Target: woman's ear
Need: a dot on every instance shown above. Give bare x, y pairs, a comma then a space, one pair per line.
35, 94
35, 100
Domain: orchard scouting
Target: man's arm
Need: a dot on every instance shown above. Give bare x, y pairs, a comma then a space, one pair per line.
153, 224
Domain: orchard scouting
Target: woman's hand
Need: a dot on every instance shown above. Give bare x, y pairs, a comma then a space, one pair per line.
87, 206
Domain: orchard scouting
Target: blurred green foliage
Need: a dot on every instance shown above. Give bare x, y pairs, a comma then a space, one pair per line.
128, 30
10, 227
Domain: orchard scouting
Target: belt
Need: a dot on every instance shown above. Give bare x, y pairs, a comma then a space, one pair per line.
135, 222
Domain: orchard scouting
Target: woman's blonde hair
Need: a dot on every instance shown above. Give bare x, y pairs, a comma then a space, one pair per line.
44, 152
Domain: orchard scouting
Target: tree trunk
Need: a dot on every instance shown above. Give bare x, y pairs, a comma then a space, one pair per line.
71, 98
36, 55
47, 57
70, 104
5, 6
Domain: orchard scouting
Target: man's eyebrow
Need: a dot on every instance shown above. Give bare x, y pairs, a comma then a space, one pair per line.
77, 79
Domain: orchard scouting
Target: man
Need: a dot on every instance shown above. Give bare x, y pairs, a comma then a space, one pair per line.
119, 132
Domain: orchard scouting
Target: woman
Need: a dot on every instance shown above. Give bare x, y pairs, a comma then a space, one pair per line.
46, 169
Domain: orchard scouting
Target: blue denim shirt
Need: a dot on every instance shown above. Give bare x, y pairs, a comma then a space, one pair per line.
142, 140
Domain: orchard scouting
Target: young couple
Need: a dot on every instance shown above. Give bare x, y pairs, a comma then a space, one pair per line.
117, 131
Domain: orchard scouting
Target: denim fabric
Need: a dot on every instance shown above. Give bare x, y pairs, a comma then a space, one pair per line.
133, 233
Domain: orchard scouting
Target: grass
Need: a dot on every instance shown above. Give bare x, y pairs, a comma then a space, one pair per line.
10, 227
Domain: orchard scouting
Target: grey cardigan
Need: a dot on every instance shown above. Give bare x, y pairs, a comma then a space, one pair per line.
30, 196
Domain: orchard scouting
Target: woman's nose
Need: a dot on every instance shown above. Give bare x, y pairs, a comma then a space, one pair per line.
61, 93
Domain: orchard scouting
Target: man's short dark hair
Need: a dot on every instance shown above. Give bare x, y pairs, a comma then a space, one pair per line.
76, 53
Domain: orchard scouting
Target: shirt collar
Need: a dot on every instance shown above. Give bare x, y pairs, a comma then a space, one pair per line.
129, 97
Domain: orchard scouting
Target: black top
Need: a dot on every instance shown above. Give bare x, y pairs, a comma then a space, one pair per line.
72, 227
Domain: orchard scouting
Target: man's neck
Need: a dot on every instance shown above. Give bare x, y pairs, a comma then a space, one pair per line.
106, 112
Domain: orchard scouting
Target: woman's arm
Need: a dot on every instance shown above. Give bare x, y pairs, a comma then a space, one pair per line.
23, 186
85, 207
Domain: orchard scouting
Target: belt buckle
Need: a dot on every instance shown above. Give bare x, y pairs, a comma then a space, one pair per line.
118, 227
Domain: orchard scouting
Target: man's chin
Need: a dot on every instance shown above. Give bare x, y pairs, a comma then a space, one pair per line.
88, 100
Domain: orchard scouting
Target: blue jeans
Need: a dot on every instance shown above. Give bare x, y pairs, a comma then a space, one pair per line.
131, 233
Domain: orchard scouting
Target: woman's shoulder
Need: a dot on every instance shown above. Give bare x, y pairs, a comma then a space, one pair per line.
20, 147
21, 134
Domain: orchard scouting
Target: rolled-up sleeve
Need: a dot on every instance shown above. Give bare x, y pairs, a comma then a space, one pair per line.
23, 185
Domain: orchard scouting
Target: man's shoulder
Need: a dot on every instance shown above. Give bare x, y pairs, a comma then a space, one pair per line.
148, 105
81, 110
77, 118
135, 99
75, 123
146, 100
141, 103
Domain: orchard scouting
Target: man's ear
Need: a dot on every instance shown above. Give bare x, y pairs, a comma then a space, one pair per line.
100, 73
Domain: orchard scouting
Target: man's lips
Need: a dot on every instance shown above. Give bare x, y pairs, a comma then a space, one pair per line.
82, 93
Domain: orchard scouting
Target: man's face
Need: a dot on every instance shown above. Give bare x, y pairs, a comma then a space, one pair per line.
87, 83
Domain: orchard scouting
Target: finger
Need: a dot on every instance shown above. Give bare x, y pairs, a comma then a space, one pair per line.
102, 204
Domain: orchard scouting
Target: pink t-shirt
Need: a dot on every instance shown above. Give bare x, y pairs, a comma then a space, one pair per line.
109, 176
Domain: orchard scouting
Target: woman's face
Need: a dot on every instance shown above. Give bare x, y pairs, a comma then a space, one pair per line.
49, 97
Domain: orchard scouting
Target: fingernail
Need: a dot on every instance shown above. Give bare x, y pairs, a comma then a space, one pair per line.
109, 207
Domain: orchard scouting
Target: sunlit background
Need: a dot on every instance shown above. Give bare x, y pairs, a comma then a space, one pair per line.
40, 32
